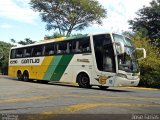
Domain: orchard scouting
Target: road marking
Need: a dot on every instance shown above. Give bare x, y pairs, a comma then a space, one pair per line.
140, 88
23, 99
83, 106
114, 97
73, 95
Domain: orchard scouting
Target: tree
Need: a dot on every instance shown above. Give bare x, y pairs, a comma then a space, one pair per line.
57, 35
150, 66
4, 54
69, 15
26, 41
148, 22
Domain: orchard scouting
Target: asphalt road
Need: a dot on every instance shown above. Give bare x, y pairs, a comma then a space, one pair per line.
32, 100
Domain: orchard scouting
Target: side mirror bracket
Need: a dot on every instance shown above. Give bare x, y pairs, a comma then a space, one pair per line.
144, 53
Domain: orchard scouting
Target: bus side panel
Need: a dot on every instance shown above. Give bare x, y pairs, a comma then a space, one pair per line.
35, 71
82, 63
57, 67
42, 69
12, 71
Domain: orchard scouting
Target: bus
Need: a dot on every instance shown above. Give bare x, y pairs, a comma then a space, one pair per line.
103, 60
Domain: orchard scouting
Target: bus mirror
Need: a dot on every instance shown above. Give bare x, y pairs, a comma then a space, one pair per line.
144, 53
119, 47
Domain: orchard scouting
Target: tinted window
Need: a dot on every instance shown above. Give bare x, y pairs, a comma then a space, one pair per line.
27, 52
19, 53
82, 45
49, 49
13, 53
37, 51
62, 48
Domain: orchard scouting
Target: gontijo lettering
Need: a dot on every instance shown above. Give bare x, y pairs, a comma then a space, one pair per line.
26, 61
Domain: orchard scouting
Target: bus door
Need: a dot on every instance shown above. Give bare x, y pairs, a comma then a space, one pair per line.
104, 59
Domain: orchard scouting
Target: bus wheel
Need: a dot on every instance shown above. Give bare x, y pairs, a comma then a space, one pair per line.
25, 76
83, 80
19, 75
103, 87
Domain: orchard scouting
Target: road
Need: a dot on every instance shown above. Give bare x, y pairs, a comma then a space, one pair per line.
32, 100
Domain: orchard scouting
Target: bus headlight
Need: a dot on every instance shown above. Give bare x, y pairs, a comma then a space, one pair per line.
122, 75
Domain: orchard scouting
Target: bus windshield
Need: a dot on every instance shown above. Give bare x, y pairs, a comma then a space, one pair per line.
127, 61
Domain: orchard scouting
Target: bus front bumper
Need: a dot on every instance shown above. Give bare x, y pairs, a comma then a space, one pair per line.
119, 81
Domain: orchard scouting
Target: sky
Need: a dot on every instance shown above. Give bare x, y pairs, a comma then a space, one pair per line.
18, 21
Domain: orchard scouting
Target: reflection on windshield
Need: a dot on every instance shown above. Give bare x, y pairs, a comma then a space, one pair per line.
128, 60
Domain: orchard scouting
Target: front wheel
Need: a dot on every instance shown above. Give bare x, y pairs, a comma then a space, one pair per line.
83, 80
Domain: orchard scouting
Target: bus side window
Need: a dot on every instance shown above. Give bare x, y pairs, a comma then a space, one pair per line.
78, 47
61, 47
27, 52
74, 46
69, 47
84, 45
13, 53
37, 51
49, 49
19, 53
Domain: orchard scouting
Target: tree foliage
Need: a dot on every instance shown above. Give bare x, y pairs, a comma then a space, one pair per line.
57, 35
69, 15
4, 55
150, 66
26, 41
148, 22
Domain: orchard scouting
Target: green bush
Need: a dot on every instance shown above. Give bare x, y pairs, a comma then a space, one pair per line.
150, 66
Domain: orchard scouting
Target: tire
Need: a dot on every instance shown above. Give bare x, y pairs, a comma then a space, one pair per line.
26, 76
83, 80
103, 87
19, 76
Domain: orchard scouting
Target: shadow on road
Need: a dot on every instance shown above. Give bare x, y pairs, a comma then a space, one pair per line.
112, 89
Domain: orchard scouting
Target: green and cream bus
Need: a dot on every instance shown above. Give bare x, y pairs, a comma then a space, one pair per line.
103, 60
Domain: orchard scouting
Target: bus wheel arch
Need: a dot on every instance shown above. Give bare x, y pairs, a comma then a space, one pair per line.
83, 80
26, 76
19, 75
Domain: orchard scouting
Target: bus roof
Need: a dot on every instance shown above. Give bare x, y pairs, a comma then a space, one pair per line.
58, 39
51, 40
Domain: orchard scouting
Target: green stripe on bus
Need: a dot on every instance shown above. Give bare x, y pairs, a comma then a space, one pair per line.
61, 67
51, 68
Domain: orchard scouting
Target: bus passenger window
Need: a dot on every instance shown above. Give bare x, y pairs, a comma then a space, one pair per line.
69, 47
19, 53
49, 49
84, 45
27, 52
13, 53
78, 48
37, 51
61, 48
